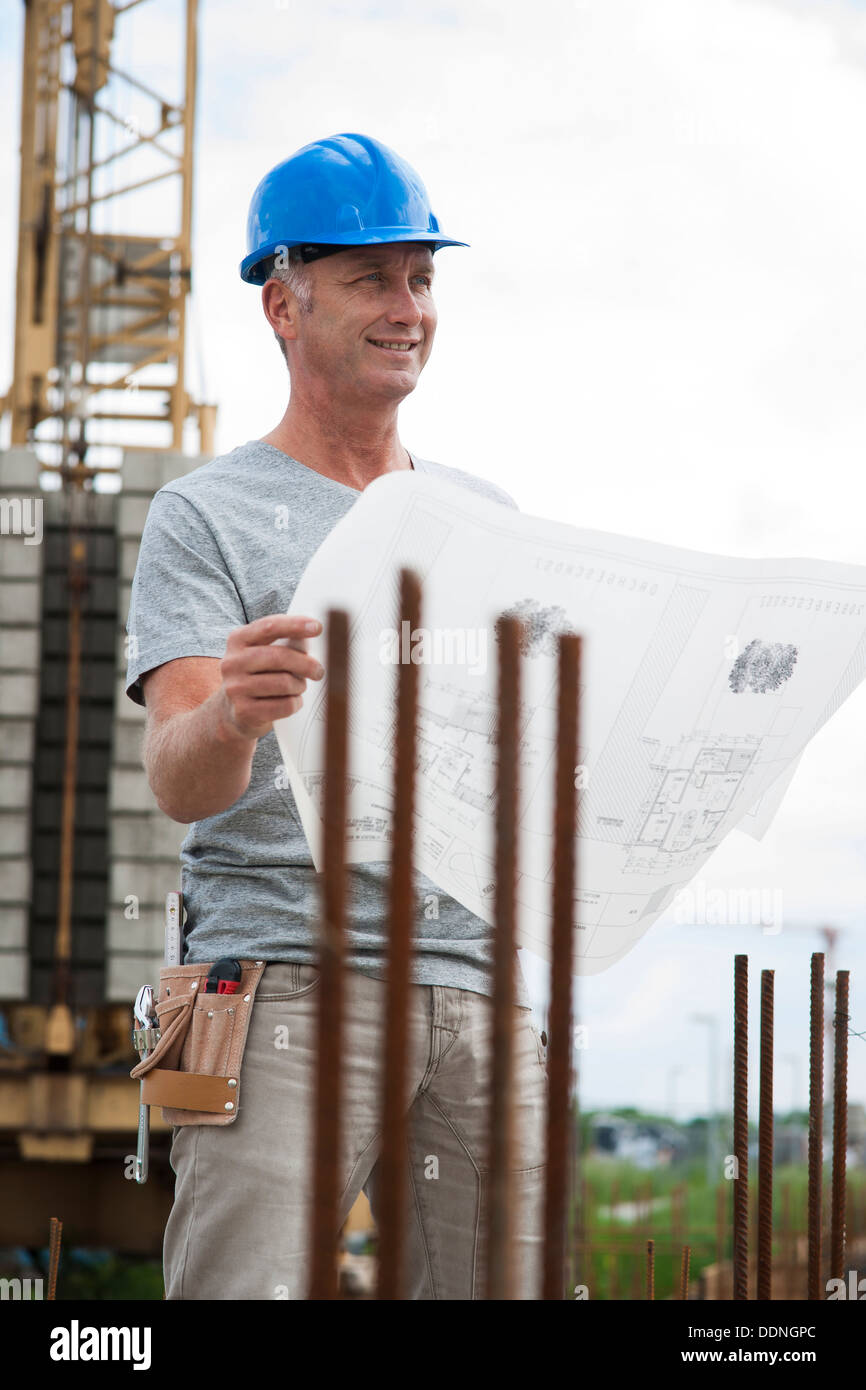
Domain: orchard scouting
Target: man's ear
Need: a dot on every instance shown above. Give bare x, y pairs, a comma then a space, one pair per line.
281, 309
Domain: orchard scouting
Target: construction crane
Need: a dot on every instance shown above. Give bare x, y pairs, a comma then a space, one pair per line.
97, 308
99, 412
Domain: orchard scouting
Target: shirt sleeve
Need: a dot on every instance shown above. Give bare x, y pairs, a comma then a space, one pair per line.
183, 600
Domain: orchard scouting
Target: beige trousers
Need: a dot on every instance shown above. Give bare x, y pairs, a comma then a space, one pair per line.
239, 1227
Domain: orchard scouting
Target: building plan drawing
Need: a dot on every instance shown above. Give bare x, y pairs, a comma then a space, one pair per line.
703, 678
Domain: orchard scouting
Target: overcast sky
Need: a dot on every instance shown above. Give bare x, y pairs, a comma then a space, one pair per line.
659, 330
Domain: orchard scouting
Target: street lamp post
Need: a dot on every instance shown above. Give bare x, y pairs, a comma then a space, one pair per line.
712, 1025
673, 1074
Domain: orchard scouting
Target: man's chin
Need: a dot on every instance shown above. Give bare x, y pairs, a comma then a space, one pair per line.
391, 385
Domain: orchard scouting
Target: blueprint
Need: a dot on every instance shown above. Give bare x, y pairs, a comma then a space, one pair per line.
756, 821
703, 678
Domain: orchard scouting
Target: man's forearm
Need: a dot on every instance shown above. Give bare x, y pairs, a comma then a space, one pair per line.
197, 762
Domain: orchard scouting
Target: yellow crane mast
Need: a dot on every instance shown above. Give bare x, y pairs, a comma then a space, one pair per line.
100, 415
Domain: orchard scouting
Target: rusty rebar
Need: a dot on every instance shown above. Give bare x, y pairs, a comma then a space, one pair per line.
54, 1239
741, 1128
580, 1257
582, 1262
559, 1044
765, 1142
677, 1221
613, 1282
324, 1278
816, 1124
393, 1163
650, 1270
646, 1200
500, 1270
840, 1127
636, 1280
576, 1164
721, 1221
684, 1272
787, 1261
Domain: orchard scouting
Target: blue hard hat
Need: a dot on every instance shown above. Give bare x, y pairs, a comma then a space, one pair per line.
347, 190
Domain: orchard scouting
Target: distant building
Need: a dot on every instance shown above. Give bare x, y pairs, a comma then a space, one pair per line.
646, 1143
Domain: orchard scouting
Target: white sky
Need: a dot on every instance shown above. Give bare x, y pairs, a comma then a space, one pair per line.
659, 330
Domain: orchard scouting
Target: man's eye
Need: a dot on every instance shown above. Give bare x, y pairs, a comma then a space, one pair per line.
377, 275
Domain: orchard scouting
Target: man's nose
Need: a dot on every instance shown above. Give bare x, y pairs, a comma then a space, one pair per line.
403, 307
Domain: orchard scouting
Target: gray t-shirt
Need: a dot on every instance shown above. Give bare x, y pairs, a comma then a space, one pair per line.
217, 552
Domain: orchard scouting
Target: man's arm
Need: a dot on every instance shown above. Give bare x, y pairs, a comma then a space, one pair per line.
205, 715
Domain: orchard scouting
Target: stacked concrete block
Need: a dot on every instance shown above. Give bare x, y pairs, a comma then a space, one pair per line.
92, 516
20, 589
144, 844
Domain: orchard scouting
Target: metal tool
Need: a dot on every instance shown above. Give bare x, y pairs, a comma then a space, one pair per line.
145, 1036
174, 929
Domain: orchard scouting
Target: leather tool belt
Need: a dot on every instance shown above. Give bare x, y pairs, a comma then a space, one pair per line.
194, 1070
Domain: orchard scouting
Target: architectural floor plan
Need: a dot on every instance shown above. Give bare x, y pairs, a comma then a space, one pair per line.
703, 679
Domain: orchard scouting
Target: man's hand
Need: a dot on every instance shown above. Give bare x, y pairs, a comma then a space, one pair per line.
264, 672
205, 715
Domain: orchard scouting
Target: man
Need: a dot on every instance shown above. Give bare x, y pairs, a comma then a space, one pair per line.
342, 239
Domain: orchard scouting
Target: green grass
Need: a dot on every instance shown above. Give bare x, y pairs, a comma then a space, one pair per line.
109, 1277
683, 1188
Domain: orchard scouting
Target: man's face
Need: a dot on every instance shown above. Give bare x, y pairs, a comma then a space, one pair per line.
372, 323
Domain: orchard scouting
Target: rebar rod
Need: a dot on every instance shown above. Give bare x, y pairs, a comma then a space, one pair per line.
787, 1261
765, 1142
816, 1124
721, 1221
684, 1273
741, 1128
559, 1042
393, 1158
324, 1279
840, 1127
54, 1239
500, 1271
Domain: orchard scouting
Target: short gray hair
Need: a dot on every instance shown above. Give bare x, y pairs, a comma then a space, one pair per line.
296, 277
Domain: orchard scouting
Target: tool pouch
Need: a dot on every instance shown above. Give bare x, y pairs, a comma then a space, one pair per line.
194, 1072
